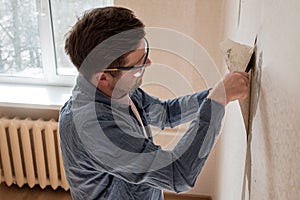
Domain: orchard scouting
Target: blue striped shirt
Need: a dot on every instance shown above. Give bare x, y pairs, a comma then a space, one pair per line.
106, 155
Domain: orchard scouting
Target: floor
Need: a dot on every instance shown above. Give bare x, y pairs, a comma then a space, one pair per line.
36, 193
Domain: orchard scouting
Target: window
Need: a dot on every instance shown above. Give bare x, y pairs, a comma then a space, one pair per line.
32, 39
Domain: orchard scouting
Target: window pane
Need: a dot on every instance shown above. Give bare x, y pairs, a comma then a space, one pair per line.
64, 16
20, 48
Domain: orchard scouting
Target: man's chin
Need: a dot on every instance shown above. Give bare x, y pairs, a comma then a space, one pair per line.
119, 93
122, 93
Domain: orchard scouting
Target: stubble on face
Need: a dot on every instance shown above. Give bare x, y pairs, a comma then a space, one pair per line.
125, 84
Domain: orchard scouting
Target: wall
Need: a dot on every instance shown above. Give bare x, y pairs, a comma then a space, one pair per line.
275, 144
276, 148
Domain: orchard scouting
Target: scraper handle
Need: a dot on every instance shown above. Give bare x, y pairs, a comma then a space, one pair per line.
251, 63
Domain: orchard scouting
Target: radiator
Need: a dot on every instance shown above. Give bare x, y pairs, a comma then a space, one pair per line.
30, 153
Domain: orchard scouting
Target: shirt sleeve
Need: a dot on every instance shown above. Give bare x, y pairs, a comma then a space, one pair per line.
168, 113
114, 146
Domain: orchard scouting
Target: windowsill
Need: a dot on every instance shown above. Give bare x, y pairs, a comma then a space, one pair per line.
33, 96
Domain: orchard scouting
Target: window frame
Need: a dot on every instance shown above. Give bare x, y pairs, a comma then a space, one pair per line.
49, 65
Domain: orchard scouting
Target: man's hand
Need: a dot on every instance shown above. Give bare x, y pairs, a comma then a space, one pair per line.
234, 86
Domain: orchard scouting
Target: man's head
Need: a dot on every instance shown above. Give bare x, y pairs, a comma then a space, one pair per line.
103, 38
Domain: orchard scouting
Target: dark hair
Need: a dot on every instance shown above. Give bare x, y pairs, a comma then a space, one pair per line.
102, 38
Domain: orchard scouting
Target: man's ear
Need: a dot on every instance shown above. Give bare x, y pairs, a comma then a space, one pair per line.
102, 79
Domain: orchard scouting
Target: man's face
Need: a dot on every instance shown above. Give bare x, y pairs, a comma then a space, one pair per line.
128, 81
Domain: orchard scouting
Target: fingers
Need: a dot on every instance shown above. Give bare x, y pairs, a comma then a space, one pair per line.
234, 86
244, 82
241, 80
244, 76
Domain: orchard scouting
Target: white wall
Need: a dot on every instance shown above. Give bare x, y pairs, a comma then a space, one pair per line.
275, 144
276, 127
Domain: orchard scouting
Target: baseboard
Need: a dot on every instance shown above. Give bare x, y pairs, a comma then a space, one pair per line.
173, 196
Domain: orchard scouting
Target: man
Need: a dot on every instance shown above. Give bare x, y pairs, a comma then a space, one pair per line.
106, 141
